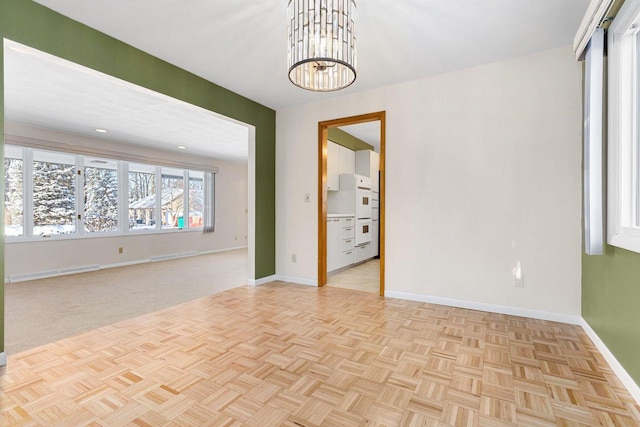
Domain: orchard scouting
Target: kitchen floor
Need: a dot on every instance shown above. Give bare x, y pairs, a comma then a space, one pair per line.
362, 277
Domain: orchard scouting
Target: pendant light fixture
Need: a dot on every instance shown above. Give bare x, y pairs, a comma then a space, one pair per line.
322, 44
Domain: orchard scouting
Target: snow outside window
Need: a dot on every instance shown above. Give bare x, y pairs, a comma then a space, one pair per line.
100, 195
13, 191
54, 193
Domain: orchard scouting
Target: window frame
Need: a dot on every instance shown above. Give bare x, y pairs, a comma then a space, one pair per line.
122, 169
624, 128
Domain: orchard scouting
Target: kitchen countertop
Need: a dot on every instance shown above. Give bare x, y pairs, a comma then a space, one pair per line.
340, 215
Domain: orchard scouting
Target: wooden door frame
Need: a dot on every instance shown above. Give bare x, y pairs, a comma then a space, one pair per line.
322, 188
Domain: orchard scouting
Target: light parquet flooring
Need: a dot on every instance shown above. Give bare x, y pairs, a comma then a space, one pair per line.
283, 354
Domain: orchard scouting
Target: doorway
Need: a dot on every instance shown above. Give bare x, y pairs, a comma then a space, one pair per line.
323, 128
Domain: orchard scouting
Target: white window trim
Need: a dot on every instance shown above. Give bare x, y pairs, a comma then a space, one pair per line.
622, 136
596, 12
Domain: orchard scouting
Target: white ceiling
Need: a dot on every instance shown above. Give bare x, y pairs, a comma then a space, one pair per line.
49, 92
241, 44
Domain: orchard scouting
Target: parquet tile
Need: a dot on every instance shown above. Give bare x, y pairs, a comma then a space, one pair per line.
287, 355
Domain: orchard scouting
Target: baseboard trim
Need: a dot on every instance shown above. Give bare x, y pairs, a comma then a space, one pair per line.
125, 264
215, 251
493, 308
54, 273
83, 269
262, 280
617, 368
3, 359
297, 280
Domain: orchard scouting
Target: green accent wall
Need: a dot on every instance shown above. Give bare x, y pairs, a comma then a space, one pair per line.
611, 301
34, 25
345, 139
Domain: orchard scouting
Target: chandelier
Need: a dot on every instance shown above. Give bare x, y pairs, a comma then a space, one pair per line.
322, 44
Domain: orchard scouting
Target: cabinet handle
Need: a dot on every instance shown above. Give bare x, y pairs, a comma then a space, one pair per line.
348, 228
349, 219
348, 241
350, 252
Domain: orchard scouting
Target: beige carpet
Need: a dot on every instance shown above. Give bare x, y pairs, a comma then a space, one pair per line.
42, 311
362, 277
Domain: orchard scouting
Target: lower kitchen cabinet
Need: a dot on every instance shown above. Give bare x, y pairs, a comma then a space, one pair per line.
333, 251
347, 257
362, 252
340, 242
341, 249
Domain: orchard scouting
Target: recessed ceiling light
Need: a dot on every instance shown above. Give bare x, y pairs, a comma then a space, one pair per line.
182, 147
101, 130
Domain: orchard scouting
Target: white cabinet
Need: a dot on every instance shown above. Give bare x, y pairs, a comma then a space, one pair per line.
347, 160
375, 237
333, 250
340, 242
333, 166
362, 252
368, 164
339, 160
347, 257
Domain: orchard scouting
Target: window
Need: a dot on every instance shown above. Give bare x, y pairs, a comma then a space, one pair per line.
172, 188
49, 194
100, 195
196, 198
624, 130
142, 197
54, 193
13, 191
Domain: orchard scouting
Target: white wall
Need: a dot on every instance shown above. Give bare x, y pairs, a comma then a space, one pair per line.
483, 171
231, 221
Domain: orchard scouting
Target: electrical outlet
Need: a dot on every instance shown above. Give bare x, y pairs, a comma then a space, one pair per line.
120, 250
518, 276
294, 258
519, 281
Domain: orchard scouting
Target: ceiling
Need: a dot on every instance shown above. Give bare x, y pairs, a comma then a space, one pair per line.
48, 92
241, 44
368, 132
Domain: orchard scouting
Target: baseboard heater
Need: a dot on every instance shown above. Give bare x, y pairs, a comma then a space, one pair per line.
173, 256
52, 273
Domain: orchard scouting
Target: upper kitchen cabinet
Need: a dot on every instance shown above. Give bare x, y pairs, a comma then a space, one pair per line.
333, 166
368, 164
339, 160
347, 160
